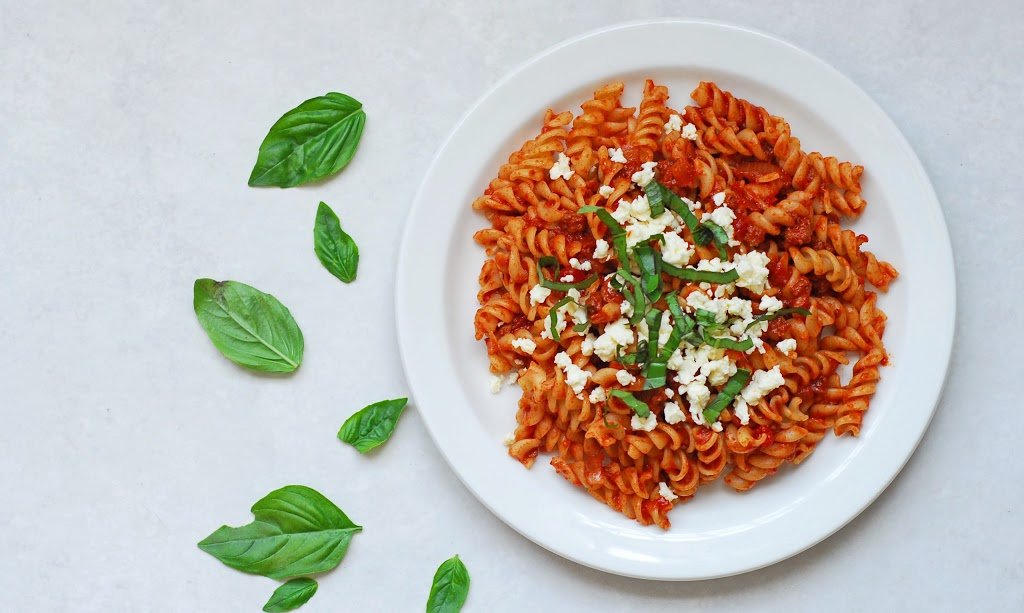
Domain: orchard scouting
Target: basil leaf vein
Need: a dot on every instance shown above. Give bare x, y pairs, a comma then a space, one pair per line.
249, 327
333, 246
450, 587
373, 425
314, 140
297, 531
291, 595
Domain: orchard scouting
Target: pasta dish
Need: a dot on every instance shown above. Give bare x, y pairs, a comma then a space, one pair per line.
675, 294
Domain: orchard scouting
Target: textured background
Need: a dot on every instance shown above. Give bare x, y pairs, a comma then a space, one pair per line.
127, 132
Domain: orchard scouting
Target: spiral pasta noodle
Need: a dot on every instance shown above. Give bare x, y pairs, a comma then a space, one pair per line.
676, 296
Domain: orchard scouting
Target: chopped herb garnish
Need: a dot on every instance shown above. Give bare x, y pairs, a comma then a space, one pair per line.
656, 192
728, 343
705, 276
720, 238
779, 313
549, 261
553, 317
638, 406
724, 397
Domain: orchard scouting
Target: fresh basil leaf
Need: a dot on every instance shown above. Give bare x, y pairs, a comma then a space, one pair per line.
336, 250
450, 588
250, 328
639, 406
297, 531
314, 140
372, 426
291, 595
732, 387
779, 313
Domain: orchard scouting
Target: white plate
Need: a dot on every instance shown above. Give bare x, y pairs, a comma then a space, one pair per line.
719, 532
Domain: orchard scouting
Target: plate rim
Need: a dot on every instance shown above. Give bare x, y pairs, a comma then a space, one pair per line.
929, 197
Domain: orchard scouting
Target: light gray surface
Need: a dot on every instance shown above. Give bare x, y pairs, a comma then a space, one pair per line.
127, 134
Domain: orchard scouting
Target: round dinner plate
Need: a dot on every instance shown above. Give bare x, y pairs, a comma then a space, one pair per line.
718, 532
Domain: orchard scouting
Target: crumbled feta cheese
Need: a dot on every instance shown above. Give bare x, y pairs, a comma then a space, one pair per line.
698, 395
597, 395
601, 250
689, 131
665, 330
718, 371
718, 199
616, 334
770, 304
714, 265
753, 270
672, 413
676, 251
722, 216
566, 278
717, 426
510, 439
763, 382
663, 488
615, 155
724, 290
605, 191
645, 175
624, 377
538, 294
587, 345
621, 212
669, 393
561, 168
626, 308
644, 423
787, 346
693, 206
578, 265
575, 377
674, 123
525, 344
497, 381
741, 410
641, 230
739, 307
699, 300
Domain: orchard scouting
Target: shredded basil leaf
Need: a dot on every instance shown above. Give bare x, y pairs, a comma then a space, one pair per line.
705, 276
720, 237
638, 406
728, 343
724, 397
553, 317
668, 198
549, 261
779, 313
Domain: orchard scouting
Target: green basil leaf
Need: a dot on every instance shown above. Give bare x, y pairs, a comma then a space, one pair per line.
703, 235
706, 276
732, 387
728, 343
250, 328
334, 248
372, 426
779, 313
291, 595
297, 531
639, 406
314, 140
720, 237
450, 588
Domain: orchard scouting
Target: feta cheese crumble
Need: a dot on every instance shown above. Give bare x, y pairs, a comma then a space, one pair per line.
769, 304
645, 175
672, 413
689, 132
624, 377
561, 168
644, 423
615, 155
674, 124
616, 334
510, 439
538, 294
605, 191
665, 491
753, 270
762, 383
525, 344
587, 345
676, 251
787, 346
578, 265
601, 250
597, 395
575, 377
